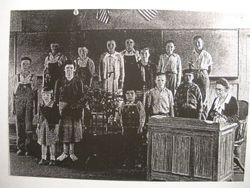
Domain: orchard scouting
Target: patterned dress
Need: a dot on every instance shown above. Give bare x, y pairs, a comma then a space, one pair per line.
47, 131
68, 96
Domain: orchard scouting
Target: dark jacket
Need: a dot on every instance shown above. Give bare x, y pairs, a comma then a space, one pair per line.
230, 111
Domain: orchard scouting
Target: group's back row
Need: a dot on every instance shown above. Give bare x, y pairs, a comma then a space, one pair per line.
131, 69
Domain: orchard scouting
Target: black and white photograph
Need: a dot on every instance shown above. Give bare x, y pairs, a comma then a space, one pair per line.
128, 94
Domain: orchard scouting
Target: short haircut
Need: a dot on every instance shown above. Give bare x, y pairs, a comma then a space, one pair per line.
69, 62
129, 40
224, 82
160, 74
55, 43
145, 49
130, 90
111, 41
197, 37
83, 47
187, 71
47, 90
26, 58
169, 41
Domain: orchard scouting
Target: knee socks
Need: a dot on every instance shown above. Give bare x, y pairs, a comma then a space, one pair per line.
44, 151
52, 152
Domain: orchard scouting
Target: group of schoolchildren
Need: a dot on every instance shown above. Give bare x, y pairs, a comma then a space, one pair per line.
127, 72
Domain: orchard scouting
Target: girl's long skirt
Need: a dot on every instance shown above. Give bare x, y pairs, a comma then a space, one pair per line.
70, 130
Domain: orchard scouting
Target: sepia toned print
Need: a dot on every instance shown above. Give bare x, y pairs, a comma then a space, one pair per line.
135, 94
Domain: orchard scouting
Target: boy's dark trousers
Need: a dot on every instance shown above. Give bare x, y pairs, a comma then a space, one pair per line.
131, 145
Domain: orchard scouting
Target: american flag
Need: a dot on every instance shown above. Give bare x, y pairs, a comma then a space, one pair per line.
103, 15
148, 14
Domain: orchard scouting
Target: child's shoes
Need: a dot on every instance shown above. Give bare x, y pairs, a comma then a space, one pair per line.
73, 157
43, 162
62, 157
20, 152
52, 163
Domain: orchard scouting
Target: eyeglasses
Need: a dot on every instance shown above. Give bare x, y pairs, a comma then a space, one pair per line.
218, 89
130, 42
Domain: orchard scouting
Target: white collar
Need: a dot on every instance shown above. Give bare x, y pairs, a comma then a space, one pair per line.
228, 98
196, 53
111, 55
222, 105
50, 104
126, 52
58, 54
130, 103
86, 59
173, 54
160, 90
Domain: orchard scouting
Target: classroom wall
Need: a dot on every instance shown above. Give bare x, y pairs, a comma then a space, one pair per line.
31, 32
64, 20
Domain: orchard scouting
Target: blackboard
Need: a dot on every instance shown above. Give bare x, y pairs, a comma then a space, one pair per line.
37, 45
221, 44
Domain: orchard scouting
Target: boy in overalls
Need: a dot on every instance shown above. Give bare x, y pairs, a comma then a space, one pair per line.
132, 119
23, 107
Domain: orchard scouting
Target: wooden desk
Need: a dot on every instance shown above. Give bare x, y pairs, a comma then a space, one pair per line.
182, 149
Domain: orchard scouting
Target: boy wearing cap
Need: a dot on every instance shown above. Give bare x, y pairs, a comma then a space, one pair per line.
188, 98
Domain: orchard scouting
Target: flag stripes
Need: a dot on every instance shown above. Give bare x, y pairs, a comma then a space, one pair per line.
148, 14
103, 15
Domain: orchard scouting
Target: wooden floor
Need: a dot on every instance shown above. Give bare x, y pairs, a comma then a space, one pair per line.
104, 165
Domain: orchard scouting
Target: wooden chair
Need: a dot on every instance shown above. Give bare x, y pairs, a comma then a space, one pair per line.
240, 132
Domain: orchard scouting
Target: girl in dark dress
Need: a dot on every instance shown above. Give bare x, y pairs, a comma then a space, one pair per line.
69, 92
